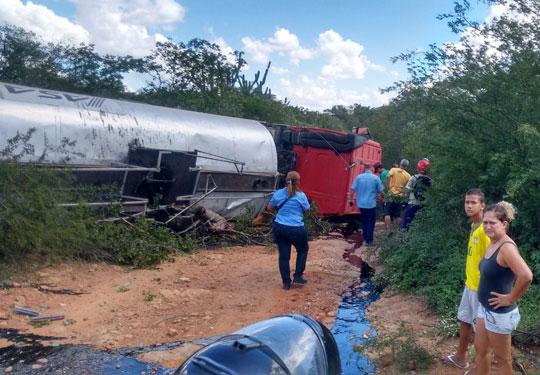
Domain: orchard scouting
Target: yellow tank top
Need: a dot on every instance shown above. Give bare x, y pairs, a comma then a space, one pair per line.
478, 243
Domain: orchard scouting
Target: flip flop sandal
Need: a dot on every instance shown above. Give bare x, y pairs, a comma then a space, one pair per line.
450, 360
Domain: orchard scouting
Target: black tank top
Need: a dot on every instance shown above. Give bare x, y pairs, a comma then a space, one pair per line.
495, 278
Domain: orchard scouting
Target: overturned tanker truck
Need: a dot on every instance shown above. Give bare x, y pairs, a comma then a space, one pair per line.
220, 163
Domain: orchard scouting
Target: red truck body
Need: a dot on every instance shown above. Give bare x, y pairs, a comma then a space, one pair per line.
328, 162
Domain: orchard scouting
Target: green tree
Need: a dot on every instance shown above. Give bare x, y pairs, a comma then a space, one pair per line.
388, 126
197, 66
473, 110
26, 59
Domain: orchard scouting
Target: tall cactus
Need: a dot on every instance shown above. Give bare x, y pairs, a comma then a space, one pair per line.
255, 87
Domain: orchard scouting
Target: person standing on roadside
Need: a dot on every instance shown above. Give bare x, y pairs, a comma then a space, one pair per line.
396, 180
504, 279
381, 172
415, 190
289, 229
468, 308
384, 172
366, 186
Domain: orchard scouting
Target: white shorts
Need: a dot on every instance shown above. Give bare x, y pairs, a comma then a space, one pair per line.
503, 323
468, 308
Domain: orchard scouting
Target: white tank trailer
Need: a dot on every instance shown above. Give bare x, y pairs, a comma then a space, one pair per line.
220, 163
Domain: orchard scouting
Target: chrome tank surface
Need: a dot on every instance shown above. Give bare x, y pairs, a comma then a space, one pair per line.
104, 128
240, 154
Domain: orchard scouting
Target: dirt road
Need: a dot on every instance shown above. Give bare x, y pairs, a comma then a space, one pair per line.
206, 293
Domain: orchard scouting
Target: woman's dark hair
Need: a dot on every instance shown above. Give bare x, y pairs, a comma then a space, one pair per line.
292, 183
503, 211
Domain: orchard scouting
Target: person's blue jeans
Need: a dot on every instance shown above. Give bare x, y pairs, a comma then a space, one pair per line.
367, 218
410, 212
285, 236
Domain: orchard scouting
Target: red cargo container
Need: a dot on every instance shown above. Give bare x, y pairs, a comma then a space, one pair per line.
328, 162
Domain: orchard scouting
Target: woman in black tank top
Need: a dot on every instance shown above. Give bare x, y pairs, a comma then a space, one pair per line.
501, 266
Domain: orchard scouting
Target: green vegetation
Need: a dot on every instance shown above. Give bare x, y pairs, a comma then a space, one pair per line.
315, 224
148, 297
245, 221
40, 324
471, 108
403, 352
478, 121
35, 226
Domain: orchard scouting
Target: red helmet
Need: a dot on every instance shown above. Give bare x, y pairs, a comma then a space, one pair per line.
423, 166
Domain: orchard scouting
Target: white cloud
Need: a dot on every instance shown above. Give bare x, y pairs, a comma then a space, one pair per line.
278, 70
114, 26
282, 42
257, 51
284, 82
320, 93
42, 21
121, 26
287, 44
378, 98
226, 50
341, 60
344, 56
477, 38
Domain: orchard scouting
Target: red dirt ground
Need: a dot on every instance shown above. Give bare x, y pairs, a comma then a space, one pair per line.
206, 293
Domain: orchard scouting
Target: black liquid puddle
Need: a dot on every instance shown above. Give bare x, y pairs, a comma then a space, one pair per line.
351, 329
29, 351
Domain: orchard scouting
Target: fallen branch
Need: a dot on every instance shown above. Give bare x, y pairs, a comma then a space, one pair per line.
188, 228
247, 236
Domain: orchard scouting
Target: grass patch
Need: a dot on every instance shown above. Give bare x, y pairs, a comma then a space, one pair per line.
400, 350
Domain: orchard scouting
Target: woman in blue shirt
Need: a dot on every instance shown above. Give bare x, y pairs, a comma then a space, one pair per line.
289, 228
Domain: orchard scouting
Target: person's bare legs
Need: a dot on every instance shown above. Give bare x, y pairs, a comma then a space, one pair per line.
502, 349
465, 334
388, 223
399, 222
481, 345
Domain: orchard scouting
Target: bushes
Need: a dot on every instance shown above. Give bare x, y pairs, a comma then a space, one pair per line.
478, 124
141, 245
245, 221
34, 227
401, 348
429, 260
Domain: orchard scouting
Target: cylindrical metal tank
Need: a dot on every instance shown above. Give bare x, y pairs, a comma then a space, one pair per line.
104, 129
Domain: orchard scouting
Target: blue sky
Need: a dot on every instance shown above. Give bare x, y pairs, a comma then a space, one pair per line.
323, 52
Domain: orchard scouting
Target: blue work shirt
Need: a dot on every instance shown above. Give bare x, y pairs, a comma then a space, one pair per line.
292, 212
367, 185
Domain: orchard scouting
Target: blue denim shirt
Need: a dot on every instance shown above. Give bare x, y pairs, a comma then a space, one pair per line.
292, 212
367, 185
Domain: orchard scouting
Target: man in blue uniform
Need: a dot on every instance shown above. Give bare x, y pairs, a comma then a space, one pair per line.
366, 186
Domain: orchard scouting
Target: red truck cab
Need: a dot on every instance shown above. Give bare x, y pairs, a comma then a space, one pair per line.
328, 162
